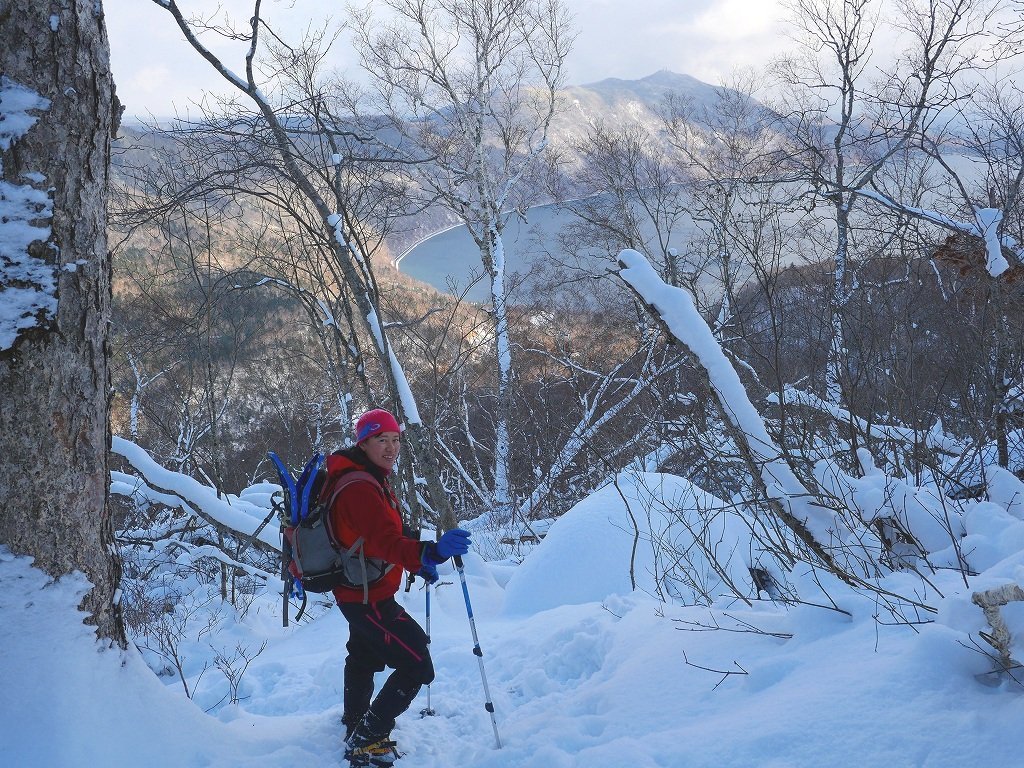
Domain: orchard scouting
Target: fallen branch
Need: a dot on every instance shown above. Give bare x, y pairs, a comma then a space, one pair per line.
743, 627
990, 602
725, 673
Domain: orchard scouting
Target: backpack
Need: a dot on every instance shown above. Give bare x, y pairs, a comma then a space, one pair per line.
312, 554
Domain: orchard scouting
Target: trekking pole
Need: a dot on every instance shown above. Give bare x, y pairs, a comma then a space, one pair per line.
476, 649
278, 507
428, 711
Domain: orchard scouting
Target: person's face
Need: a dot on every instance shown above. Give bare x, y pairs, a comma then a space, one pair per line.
382, 449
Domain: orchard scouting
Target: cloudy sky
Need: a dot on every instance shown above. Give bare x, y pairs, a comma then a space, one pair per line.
155, 71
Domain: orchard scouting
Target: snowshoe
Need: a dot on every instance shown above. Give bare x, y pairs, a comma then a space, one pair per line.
382, 752
370, 744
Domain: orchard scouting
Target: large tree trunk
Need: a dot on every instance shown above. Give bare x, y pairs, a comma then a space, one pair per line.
54, 379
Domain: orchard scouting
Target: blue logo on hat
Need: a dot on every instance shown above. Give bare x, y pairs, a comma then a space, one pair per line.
367, 431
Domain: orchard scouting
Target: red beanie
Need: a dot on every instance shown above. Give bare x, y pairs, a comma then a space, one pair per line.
373, 422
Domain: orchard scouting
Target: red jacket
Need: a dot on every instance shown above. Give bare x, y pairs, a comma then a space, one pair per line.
362, 510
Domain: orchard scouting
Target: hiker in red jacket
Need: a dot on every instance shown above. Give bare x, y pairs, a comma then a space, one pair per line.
381, 633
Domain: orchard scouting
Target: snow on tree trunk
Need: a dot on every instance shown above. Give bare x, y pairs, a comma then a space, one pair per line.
421, 439
495, 262
840, 299
54, 376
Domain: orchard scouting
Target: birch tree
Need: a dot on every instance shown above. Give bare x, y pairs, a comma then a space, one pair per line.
978, 176
470, 86
311, 145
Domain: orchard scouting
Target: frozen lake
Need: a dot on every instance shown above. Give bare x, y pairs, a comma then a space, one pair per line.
450, 260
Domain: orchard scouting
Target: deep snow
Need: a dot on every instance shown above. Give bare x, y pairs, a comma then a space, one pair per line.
583, 670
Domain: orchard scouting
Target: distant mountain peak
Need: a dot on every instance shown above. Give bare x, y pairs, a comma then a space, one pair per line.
668, 77
665, 78
615, 96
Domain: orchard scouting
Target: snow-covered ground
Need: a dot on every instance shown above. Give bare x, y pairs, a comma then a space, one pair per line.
583, 671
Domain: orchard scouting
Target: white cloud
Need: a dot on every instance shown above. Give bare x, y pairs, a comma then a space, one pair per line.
156, 71
704, 38
738, 20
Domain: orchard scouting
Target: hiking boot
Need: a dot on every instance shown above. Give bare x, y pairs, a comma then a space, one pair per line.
350, 722
370, 744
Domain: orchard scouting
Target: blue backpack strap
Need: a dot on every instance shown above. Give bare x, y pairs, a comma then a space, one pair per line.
306, 482
290, 490
288, 483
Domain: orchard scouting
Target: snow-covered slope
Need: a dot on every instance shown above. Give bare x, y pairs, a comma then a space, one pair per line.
583, 671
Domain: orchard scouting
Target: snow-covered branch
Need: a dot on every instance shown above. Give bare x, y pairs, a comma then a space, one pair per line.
208, 551
934, 437
674, 307
590, 424
985, 227
461, 471
237, 518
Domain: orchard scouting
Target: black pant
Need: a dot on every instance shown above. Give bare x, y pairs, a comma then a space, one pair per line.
383, 635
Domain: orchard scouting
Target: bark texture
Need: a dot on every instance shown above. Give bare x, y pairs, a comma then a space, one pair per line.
54, 380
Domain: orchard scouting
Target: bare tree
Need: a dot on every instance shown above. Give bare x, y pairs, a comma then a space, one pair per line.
301, 149
179, 311
1011, 30
978, 175
629, 193
849, 117
54, 379
729, 151
469, 86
